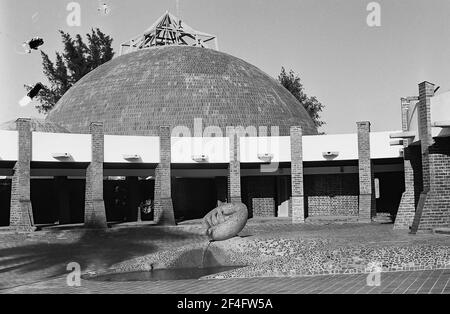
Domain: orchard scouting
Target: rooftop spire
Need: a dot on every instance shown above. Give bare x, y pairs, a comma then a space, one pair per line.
168, 30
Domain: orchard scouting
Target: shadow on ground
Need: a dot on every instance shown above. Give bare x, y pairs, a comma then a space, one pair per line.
92, 249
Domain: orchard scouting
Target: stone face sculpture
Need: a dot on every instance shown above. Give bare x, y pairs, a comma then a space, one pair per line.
225, 221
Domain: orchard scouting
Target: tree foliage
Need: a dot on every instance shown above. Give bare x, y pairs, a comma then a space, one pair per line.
75, 61
292, 83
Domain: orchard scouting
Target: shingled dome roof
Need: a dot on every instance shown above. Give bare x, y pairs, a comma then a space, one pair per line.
136, 93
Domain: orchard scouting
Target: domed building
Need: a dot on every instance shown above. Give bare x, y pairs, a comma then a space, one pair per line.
161, 83
136, 93
128, 168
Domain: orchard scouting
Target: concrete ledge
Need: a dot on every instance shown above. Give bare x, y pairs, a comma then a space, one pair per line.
401, 135
331, 219
442, 230
441, 124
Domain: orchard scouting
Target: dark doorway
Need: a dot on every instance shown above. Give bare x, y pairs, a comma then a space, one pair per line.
5, 202
44, 201
124, 197
391, 188
193, 198
76, 189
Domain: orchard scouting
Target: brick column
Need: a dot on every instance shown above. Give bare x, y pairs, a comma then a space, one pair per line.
297, 198
433, 209
426, 91
94, 206
234, 169
366, 186
164, 213
21, 216
407, 208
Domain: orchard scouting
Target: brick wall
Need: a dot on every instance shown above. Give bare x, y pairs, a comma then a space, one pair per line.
298, 208
331, 195
406, 210
263, 207
234, 168
366, 187
94, 207
164, 213
259, 188
21, 213
407, 207
426, 91
433, 209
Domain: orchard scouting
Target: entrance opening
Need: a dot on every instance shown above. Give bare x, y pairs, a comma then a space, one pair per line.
5, 202
44, 200
391, 187
125, 197
193, 198
57, 200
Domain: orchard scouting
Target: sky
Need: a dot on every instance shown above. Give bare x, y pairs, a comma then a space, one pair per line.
358, 72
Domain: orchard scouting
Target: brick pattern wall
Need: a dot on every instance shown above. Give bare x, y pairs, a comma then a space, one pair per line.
21, 215
94, 207
433, 209
263, 207
234, 170
298, 207
332, 195
366, 186
259, 187
426, 91
164, 213
407, 208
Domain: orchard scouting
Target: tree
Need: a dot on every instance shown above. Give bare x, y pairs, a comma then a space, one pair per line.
76, 60
291, 82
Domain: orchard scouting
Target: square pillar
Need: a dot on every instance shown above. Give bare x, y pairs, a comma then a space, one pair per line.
433, 209
94, 206
366, 176
234, 169
21, 216
163, 208
297, 198
407, 208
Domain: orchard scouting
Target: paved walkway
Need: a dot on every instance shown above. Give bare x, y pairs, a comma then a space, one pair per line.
42, 257
422, 282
